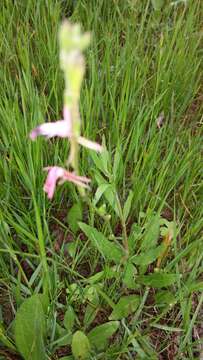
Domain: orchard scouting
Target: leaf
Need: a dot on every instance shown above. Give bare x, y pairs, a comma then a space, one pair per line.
109, 193
69, 318
157, 4
125, 306
90, 314
108, 249
99, 336
100, 191
80, 346
5, 340
74, 215
102, 161
64, 340
127, 206
164, 297
30, 329
129, 276
148, 257
151, 234
118, 165
157, 280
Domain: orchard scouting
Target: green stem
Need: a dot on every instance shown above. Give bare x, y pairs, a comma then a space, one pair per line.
125, 236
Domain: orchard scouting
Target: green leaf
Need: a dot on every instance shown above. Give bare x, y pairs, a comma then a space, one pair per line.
125, 306
157, 4
118, 165
129, 276
69, 318
5, 340
148, 257
90, 314
164, 297
80, 346
101, 161
100, 191
64, 340
127, 206
99, 336
157, 280
109, 193
30, 329
151, 234
108, 249
74, 215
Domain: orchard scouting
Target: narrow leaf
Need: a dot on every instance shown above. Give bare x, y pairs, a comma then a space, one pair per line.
99, 336
148, 257
157, 280
108, 249
125, 306
74, 215
151, 234
127, 206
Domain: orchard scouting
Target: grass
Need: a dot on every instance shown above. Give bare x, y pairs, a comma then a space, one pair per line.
140, 63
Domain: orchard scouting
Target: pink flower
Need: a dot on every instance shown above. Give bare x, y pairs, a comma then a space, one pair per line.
63, 129
56, 173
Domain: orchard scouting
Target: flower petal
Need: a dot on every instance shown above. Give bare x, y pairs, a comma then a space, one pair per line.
89, 144
59, 128
78, 180
54, 173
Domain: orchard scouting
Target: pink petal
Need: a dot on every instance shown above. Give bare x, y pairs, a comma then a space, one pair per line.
59, 128
89, 144
78, 180
56, 173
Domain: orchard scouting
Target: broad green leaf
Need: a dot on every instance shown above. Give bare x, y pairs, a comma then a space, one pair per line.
127, 206
108, 249
30, 329
164, 297
80, 346
151, 234
69, 318
157, 280
99, 336
148, 257
74, 215
129, 276
157, 4
125, 306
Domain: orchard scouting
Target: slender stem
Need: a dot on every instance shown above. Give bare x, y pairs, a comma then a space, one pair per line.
125, 236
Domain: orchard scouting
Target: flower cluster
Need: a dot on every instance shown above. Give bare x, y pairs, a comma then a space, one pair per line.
72, 42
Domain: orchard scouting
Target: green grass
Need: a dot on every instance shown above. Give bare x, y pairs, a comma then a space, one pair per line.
140, 63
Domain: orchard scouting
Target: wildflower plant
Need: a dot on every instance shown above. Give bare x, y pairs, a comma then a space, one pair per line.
72, 43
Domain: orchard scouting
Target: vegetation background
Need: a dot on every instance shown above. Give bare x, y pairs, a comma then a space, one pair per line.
144, 62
